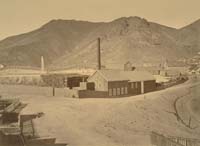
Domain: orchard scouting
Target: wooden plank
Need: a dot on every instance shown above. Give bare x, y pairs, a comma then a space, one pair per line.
10, 130
12, 106
27, 128
33, 127
43, 141
24, 118
22, 140
161, 140
4, 103
19, 108
47, 144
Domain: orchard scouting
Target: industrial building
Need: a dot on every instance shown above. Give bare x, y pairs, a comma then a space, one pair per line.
114, 83
119, 82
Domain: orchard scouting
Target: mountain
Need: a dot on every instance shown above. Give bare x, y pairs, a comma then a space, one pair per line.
50, 41
65, 43
189, 36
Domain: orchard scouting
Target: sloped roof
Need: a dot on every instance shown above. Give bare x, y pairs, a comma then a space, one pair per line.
121, 75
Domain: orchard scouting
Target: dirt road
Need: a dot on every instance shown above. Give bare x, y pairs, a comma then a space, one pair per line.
106, 122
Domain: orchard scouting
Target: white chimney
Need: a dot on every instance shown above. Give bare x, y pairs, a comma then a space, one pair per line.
42, 63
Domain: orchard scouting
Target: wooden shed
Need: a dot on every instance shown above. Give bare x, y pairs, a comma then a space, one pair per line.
119, 82
63, 80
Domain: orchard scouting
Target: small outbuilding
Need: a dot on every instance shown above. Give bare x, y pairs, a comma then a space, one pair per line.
121, 83
63, 80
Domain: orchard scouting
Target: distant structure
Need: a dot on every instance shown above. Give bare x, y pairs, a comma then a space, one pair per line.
165, 65
107, 83
42, 64
119, 83
128, 66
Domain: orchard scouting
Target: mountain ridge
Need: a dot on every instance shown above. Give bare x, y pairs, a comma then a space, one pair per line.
131, 38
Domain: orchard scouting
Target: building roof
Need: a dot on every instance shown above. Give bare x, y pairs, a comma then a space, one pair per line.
121, 75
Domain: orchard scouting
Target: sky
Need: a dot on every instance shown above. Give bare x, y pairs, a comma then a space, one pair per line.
21, 16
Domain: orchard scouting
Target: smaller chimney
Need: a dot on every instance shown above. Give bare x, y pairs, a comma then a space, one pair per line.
42, 63
99, 53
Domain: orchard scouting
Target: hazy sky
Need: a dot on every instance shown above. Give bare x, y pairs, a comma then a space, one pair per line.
19, 16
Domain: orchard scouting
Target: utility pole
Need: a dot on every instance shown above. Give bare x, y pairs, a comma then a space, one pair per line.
53, 90
53, 86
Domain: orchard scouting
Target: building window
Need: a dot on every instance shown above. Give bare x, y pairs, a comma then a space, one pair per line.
126, 90
136, 85
110, 92
114, 92
132, 85
122, 90
118, 91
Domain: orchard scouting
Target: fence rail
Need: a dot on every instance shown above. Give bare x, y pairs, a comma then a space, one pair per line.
163, 140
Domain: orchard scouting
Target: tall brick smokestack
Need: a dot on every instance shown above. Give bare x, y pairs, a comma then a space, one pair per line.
99, 53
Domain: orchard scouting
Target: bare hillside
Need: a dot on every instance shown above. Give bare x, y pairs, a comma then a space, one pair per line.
51, 41
65, 43
189, 36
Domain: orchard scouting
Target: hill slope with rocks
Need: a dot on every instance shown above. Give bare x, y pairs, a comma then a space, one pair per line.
65, 43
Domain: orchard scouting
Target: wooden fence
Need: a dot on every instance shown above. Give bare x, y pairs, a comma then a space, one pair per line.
162, 140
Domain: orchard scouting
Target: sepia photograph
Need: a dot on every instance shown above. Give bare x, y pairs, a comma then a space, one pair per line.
99, 73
